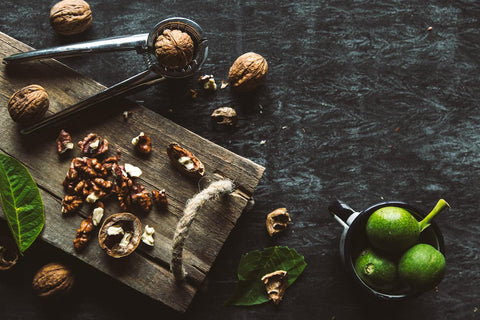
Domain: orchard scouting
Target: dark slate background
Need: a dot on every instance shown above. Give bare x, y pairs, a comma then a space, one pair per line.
362, 102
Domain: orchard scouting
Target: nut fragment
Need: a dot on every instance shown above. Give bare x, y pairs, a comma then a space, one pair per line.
69, 17
185, 161
52, 280
224, 116
160, 198
248, 72
207, 81
8, 253
71, 203
64, 142
97, 213
83, 233
93, 146
147, 236
132, 170
174, 49
275, 285
28, 104
277, 221
117, 245
143, 144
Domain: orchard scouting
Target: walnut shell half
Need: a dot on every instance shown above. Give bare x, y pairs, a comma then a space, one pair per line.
52, 280
28, 104
248, 72
120, 234
69, 17
185, 161
8, 253
275, 285
277, 221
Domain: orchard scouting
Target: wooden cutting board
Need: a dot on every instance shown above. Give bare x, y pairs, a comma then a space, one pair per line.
147, 269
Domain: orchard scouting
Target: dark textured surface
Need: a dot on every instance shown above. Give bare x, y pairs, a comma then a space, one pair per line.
362, 102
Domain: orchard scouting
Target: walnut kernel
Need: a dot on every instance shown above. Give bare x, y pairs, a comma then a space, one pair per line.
28, 104
69, 17
248, 72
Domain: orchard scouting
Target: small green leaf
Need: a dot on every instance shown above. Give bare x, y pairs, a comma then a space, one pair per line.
253, 266
21, 202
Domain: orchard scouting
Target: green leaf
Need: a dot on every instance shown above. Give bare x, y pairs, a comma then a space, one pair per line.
21, 202
253, 266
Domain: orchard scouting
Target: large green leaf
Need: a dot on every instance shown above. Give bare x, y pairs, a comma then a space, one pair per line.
21, 202
253, 266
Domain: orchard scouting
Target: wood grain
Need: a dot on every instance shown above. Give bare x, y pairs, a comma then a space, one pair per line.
147, 270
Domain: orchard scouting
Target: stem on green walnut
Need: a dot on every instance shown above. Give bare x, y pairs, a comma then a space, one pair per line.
425, 223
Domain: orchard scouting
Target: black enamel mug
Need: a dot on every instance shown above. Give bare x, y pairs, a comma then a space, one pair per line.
354, 239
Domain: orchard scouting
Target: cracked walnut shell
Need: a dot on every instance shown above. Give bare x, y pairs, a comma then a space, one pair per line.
69, 17
174, 49
277, 221
125, 239
248, 72
53, 279
28, 104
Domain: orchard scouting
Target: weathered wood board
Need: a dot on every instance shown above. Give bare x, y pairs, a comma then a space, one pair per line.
147, 269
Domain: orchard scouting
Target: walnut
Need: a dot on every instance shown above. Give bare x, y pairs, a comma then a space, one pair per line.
185, 161
93, 146
126, 238
71, 203
248, 72
275, 285
224, 116
141, 197
28, 104
8, 253
64, 142
143, 144
83, 233
174, 49
52, 280
160, 198
69, 17
277, 221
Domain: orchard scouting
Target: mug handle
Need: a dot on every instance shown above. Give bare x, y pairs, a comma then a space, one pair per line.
342, 213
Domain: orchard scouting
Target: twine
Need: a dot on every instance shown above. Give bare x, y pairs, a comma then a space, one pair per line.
193, 205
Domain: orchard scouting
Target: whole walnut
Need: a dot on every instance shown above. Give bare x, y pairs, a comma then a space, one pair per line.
53, 280
248, 72
174, 49
69, 17
28, 104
